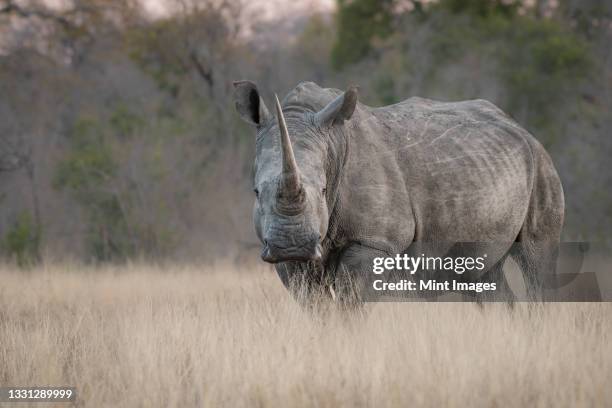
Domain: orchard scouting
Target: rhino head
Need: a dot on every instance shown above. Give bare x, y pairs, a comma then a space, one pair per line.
293, 166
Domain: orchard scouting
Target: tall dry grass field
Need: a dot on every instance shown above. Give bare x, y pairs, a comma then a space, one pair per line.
140, 336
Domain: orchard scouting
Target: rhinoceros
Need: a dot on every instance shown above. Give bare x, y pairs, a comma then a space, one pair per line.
336, 182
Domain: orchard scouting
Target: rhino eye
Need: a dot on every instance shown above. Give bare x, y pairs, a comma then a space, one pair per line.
324, 191
256, 191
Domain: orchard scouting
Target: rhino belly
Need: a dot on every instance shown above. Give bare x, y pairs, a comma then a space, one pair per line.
473, 191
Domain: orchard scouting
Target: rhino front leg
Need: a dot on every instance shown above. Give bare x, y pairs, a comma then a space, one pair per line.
349, 278
305, 281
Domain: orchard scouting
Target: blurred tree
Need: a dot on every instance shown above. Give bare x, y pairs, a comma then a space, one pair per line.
64, 31
22, 241
482, 8
125, 217
131, 118
197, 40
312, 49
359, 22
588, 17
88, 172
545, 65
12, 154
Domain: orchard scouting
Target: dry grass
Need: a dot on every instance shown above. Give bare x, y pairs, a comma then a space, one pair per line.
141, 336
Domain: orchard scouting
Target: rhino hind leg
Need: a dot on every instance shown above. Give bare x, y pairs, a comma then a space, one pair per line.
503, 293
538, 263
537, 244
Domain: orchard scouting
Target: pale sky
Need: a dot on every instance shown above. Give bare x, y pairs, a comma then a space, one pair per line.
267, 9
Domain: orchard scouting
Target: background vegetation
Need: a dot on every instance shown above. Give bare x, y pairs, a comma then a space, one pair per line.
118, 137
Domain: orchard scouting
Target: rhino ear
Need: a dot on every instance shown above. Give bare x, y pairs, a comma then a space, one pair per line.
249, 103
338, 110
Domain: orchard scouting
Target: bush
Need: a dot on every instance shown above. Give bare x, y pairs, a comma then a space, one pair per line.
22, 241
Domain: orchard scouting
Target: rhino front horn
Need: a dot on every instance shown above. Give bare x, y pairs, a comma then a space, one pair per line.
290, 172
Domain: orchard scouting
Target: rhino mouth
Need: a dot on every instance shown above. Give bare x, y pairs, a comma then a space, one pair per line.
310, 251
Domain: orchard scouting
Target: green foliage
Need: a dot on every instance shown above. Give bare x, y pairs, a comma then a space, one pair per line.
148, 47
109, 235
315, 36
124, 121
588, 17
481, 8
89, 162
359, 23
542, 66
313, 47
87, 171
22, 241
384, 89
110, 198
538, 63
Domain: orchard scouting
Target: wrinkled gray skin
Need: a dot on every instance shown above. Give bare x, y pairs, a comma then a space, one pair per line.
357, 182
